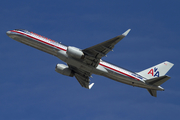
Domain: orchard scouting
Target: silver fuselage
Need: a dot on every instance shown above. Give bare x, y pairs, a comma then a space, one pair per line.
59, 50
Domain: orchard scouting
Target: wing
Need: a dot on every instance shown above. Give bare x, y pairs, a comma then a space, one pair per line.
96, 52
82, 77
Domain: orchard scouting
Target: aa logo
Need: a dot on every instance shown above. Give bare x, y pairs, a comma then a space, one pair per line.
154, 72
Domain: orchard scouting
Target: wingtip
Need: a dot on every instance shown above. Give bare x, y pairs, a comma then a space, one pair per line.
90, 86
126, 33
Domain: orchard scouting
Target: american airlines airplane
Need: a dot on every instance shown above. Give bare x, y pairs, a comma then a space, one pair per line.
83, 63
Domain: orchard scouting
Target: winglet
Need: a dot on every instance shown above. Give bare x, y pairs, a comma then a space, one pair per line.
125, 33
90, 86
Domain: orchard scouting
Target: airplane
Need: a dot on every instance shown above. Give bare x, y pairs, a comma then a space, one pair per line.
83, 63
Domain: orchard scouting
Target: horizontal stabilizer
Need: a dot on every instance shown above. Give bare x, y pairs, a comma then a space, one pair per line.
152, 92
158, 80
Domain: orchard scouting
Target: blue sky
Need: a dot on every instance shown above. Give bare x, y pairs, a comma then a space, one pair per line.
30, 89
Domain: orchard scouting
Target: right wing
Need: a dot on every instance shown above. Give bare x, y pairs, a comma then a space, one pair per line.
82, 77
84, 81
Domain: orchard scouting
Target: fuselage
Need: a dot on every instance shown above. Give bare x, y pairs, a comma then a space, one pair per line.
59, 50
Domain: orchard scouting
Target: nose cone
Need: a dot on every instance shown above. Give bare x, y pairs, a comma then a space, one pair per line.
8, 33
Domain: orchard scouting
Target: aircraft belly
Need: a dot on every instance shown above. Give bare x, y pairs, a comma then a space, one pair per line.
36, 44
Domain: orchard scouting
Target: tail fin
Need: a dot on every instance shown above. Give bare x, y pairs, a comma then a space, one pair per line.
156, 75
157, 70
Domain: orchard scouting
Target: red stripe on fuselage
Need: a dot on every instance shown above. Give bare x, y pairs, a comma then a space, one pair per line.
39, 39
118, 71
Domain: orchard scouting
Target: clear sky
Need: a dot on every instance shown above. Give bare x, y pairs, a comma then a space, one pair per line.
30, 89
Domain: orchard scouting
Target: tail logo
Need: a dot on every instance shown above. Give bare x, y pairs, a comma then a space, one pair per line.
154, 72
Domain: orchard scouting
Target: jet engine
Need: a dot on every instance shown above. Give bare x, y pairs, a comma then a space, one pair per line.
75, 52
64, 69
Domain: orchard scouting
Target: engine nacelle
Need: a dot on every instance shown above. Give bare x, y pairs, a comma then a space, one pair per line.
75, 52
63, 69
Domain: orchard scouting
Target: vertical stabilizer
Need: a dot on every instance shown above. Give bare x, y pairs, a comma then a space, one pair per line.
157, 70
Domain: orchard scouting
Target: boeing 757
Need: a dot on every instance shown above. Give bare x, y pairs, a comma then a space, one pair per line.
82, 63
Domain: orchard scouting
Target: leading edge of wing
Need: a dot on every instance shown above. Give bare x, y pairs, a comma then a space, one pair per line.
117, 38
